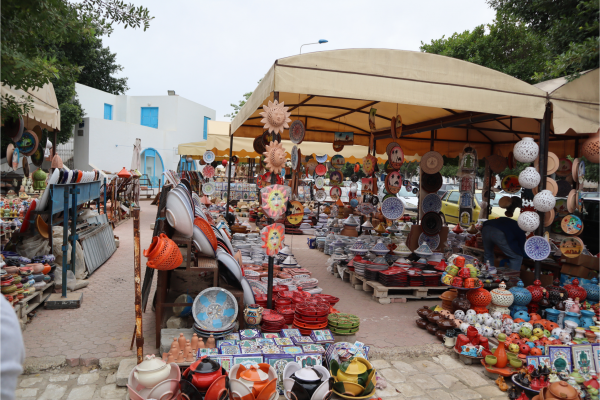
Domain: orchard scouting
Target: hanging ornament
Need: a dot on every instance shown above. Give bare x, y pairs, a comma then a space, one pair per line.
526, 150
369, 163
544, 201
274, 199
529, 178
274, 157
528, 221
275, 116
272, 237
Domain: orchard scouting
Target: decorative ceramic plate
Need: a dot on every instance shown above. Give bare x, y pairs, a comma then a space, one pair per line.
335, 177
321, 170
431, 183
396, 157
432, 241
537, 248
392, 208
389, 148
571, 247
366, 209
571, 225
580, 172
564, 167
320, 195
393, 182
334, 210
338, 161
322, 159
208, 171
215, 309
294, 157
320, 182
431, 202
335, 192
338, 147
297, 132
208, 188
208, 157
431, 223
37, 158
510, 184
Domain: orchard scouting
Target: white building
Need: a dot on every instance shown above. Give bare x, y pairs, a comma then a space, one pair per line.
112, 123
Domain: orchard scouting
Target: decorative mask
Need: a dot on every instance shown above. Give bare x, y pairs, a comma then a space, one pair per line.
272, 237
275, 116
274, 199
274, 157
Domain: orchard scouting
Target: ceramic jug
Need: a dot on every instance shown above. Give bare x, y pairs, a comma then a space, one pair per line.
253, 314
449, 341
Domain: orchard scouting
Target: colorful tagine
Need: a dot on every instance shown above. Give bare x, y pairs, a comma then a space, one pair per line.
522, 297
554, 292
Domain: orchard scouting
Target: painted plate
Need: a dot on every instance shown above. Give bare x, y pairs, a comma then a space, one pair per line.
389, 148
335, 192
208, 157
431, 202
571, 224
393, 182
338, 161
294, 157
510, 184
297, 213
537, 248
321, 170
320, 182
431, 183
431, 223
208, 171
208, 188
571, 247
37, 158
432, 241
297, 132
322, 159
366, 209
392, 208
215, 309
580, 171
320, 195
335, 177
338, 147
564, 167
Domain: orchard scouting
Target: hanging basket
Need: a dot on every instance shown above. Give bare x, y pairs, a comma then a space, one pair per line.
163, 254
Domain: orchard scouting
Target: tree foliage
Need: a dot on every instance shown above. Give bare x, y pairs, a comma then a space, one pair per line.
237, 107
409, 169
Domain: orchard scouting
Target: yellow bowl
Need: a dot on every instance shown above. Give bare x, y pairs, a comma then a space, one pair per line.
352, 389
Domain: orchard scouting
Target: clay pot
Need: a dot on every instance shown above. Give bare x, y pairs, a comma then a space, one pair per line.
445, 324
559, 391
432, 328
440, 335
11, 269
421, 323
461, 302
434, 317
424, 312
37, 268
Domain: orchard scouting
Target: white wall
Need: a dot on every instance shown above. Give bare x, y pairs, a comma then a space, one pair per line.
92, 100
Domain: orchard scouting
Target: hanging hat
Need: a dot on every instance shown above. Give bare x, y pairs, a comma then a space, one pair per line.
57, 162
431, 162
10, 149
13, 128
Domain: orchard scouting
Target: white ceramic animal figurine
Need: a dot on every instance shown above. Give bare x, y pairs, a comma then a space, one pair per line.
489, 320
556, 332
470, 312
564, 337
497, 315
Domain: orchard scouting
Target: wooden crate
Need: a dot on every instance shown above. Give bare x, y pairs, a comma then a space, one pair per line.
30, 303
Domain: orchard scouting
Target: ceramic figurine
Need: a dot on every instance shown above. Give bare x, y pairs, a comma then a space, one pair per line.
195, 342
501, 384
210, 342
564, 337
190, 357
181, 341
201, 343
180, 357
175, 346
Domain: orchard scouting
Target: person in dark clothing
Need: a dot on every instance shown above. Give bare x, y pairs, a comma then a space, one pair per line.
506, 234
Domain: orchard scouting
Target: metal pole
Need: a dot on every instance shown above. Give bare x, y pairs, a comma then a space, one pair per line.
543, 157
229, 175
105, 194
137, 272
74, 236
65, 246
271, 258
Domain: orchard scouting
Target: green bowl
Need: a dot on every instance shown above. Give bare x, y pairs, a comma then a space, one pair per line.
512, 356
491, 360
516, 363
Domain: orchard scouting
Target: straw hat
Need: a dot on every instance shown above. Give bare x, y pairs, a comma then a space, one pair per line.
10, 149
431, 162
57, 161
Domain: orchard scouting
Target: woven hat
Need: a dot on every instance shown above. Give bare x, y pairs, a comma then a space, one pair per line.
57, 162
432, 162
10, 149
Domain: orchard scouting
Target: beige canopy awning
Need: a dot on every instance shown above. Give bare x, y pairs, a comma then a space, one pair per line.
444, 103
45, 111
576, 104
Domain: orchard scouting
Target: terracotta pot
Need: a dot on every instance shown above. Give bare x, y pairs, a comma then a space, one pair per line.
559, 391
11, 269
424, 312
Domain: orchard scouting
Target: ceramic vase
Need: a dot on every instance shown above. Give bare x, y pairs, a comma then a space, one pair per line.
500, 354
253, 314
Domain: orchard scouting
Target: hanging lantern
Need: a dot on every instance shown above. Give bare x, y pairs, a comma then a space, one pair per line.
526, 151
529, 178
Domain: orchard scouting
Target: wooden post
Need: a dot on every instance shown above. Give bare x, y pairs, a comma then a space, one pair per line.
271, 258
229, 176
137, 271
543, 157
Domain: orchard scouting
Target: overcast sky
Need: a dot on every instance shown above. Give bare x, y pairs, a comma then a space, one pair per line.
212, 52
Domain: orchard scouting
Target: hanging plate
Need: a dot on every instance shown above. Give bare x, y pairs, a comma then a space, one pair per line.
338, 147
37, 158
320, 195
389, 148
208, 157
297, 213
258, 145
336, 177
396, 157
335, 192
431, 183
393, 182
338, 161
510, 184
432, 241
392, 208
431, 223
571, 225
571, 247
321, 170
366, 209
537, 248
564, 167
294, 157
431, 202
322, 159
215, 309
268, 137
297, 132
208, 188
208, 171
320, 182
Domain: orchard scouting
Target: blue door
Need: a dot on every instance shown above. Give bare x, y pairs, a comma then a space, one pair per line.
205, 131
108, 111
150, 117
153, 165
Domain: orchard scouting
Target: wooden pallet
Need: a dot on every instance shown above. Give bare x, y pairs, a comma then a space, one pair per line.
30, 303
385, 295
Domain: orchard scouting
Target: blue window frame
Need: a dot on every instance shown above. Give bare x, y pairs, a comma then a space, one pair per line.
188, 165
108, 108
150, 117
153, 165
205, 132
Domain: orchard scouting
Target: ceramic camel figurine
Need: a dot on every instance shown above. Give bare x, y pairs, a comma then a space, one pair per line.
501, 384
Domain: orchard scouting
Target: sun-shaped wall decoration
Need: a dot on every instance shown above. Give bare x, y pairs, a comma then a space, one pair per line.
274, 157
272, 237
369, 163
275, 116
274, 199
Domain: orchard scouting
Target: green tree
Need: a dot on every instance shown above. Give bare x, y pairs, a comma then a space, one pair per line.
569, 29
348, 171
237, 107
28, 28
505, 45
409, 169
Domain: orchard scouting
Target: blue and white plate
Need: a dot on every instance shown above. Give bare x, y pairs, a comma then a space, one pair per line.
215, 309
432, 241
208, 157
392, 208
537, 248
432, 202
322, 159
208, 188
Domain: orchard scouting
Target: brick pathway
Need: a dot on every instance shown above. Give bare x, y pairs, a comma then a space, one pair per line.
382, 325
103, 325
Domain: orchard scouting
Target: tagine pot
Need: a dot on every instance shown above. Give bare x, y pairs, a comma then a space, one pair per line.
434, 317
444, 324
432, 328
310, 379
203, 373
574, 291
422, 323
151, 371
355, 368
255, 378
424, 312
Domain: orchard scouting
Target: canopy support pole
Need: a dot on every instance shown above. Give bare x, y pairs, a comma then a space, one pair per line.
543, 157
229, 177
271, 258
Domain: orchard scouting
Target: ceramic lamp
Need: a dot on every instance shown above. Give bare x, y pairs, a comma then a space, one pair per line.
528, 221
522, 297
529, 178
544, 201
591, 148
575, 291
479, 299
526, 150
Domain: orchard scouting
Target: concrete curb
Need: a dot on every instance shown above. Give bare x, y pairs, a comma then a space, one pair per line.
33, 365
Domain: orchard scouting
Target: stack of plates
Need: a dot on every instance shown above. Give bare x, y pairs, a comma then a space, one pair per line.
306, 283
371, 274
343, 324
251, 275
432, 278
311, 315
416, 280
272, 321
359, 267
393, 278
288, 312
216, 334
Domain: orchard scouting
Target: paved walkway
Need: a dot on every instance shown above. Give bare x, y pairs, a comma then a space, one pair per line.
103, 325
